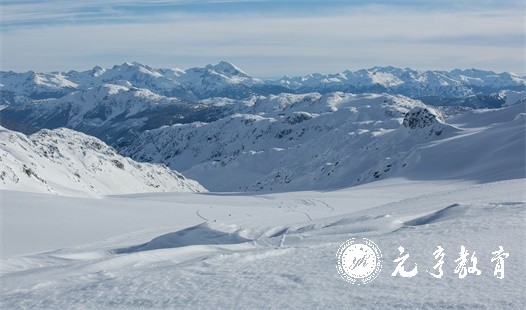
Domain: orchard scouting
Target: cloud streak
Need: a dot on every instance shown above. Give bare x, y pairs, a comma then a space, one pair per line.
32, 12
265, 44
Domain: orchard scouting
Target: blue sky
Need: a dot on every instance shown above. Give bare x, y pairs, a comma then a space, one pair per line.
265, 38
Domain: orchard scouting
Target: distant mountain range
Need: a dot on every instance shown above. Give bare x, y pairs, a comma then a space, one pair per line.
477, 87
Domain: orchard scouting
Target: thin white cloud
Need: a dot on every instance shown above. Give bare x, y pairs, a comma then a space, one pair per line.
271, 46
38, 12
57, 11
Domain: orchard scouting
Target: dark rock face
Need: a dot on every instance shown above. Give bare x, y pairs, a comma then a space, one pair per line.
420, 117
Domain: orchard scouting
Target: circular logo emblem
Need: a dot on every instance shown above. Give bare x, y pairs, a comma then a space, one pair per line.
359, 261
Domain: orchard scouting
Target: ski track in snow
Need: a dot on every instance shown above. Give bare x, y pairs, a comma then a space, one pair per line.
200, 216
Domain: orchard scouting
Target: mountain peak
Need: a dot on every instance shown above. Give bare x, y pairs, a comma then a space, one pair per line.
227, 68
129, 64
97, 71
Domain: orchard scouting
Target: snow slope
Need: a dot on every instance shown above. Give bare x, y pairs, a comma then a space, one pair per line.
288, 141
66, 162
319, 141
297, 142
265, 251
512, 97
278, 142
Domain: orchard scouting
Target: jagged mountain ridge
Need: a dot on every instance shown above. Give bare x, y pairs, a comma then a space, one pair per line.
291, 142
287, 141
475, 87
298, 142
412, 83
66, 162
119, 103
265, 143
113, 113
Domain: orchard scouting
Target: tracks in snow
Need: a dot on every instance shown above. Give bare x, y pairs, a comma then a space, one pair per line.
202, 217
305, 206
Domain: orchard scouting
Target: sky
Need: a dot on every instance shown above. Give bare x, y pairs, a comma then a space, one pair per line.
265, 38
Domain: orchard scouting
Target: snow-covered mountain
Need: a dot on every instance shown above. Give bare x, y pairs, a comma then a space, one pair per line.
66, 162
414, 83
224, 79
457, 87
110, 112
21, 87
512, 97
239, 135
301, 142
268, 143
318, 142
221, 80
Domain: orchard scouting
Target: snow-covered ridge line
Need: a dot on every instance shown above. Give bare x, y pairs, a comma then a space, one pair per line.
268, 143
226, 80
66, 162
337, 141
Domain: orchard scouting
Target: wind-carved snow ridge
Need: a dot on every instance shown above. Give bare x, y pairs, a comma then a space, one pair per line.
217, 234
202, 234
66, 162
